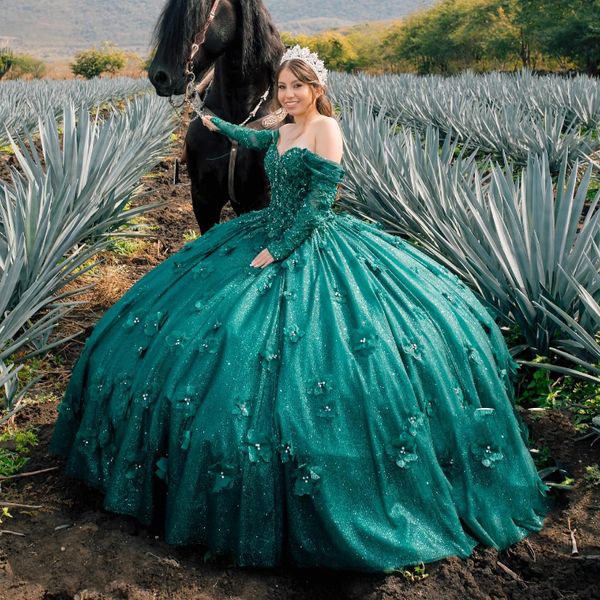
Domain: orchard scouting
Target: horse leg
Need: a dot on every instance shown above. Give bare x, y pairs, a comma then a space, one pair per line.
206, 200
252, 188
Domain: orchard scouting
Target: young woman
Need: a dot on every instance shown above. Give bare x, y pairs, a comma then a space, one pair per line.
301, 386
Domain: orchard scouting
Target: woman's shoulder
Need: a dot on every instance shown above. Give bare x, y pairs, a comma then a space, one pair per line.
326, 124
328, 138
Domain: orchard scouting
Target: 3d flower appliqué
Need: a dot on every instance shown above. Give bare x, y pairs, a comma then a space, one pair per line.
328, 410
202, 271
269, 359
147, 395
132, 321
264, 286
293, 333
208, 344
365, 340
414, 423
259, 446
285, 451
293, 262
404, 450
162, 468
339, 295
186, 437
154, 322
134, 466
223, 475
320, 387
487, 454
375, 266
98, 383
176, 340
289, 295
412, 349
201, 303
253, 271
306, 480
241, 409
123, 381
472, 354
186, 401
227, 249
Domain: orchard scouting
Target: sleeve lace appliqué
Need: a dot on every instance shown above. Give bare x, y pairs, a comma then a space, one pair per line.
248, 138
324, 176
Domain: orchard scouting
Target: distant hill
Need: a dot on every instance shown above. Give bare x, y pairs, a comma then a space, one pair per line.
56, 28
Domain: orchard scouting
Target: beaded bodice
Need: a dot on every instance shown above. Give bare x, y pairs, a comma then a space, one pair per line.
303, 187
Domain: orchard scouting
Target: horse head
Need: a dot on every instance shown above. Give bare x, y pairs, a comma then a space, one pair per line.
243, 23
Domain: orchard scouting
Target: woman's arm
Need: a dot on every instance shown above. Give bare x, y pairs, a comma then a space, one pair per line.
249, 138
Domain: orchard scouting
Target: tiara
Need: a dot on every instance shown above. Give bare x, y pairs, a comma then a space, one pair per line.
310, 58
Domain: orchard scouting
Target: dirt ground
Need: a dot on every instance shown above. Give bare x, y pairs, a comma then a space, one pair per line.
69, 548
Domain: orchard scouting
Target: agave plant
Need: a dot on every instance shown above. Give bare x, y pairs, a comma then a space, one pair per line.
513, 239
57, 212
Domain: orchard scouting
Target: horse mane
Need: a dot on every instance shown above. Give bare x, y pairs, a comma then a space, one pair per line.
180, 20
261, 40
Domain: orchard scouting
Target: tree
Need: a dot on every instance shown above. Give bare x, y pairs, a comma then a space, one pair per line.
573, 31
93, 62
335, 51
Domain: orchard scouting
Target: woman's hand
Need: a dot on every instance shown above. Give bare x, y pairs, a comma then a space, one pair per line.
207, 122
262, 259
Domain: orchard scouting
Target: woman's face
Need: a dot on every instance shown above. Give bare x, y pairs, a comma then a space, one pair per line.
294, 95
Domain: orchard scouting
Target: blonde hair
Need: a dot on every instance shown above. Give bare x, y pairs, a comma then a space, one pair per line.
304, 73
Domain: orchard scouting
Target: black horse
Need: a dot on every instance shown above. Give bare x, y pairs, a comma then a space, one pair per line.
244, 46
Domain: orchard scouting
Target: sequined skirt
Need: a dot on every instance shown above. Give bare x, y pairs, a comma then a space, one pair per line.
348, 407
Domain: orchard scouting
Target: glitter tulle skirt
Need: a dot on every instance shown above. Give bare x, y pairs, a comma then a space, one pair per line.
347, 407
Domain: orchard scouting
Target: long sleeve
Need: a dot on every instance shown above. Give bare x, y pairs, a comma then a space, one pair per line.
316, 206
249, 138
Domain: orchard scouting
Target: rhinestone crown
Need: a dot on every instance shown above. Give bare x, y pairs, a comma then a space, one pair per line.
310, 58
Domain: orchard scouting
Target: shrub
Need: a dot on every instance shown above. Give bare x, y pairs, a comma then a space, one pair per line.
93, 62
26, 66
6, 61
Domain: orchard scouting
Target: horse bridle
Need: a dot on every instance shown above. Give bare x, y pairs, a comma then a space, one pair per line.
191, 97
196, 103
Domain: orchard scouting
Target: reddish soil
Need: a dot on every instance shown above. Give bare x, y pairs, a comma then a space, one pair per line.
72, 549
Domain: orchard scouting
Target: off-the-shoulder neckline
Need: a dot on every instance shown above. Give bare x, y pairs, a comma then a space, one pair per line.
307, 150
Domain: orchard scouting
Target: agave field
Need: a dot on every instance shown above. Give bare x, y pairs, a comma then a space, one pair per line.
496, 176
22, 103
71, 185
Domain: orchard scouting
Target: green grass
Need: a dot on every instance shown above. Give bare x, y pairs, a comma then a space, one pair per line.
592, 474
29, 371
190, 235
4, 513
126, 246
536, 386
15, 448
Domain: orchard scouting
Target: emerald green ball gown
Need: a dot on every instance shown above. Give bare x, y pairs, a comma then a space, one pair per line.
348, 406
